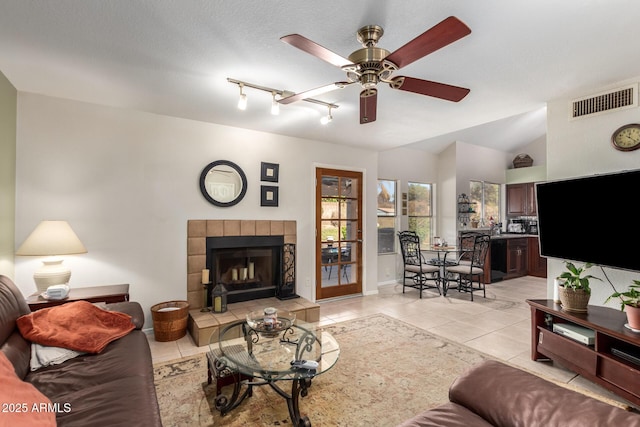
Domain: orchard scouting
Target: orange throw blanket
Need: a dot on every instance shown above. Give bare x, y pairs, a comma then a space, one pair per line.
78, 325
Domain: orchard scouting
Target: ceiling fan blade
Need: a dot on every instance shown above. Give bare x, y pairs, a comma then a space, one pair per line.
442, 34
313, 92
313, 48
368, 105
429, 88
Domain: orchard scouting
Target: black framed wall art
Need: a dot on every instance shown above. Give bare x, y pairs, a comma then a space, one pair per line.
269, 172
268, 195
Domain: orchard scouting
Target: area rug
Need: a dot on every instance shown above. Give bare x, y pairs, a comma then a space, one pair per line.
388, 371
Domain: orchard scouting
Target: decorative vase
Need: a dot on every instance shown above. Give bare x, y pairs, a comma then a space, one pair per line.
574, 300
633, 316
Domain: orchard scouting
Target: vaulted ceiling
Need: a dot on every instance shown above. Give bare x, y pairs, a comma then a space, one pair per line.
174, 57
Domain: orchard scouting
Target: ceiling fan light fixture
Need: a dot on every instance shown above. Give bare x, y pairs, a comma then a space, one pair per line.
371, 64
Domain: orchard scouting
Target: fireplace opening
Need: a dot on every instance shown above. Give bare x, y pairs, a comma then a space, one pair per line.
250, 267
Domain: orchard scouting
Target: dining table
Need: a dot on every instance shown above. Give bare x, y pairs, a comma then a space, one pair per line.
443, 260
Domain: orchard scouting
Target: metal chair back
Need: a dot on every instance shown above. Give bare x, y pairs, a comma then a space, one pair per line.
466, 244
410, 248
480, 248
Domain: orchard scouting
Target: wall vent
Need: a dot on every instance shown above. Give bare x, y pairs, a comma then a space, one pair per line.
612, 100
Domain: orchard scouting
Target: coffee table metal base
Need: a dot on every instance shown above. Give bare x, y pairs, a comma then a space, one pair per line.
299, 387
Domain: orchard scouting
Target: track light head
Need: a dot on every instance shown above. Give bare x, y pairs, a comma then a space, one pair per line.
275, 105
326, 119
242, 101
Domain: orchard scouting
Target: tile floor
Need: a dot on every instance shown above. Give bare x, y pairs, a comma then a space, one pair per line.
498, 325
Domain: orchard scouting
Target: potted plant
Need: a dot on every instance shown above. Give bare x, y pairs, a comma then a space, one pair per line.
630, 303
574, 290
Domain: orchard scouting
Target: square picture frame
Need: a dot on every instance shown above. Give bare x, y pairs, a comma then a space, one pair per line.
268, 195
269, 172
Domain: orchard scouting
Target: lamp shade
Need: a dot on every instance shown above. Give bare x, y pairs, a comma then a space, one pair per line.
52, 238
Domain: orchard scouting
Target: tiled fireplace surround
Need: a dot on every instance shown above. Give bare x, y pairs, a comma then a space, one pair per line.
202, 325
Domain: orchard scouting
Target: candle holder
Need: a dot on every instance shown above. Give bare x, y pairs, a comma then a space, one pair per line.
219, 298
206, 289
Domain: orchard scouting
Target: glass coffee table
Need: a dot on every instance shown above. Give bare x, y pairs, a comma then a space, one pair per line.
256, 355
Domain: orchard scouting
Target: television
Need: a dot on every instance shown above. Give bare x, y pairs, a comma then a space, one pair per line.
591, 219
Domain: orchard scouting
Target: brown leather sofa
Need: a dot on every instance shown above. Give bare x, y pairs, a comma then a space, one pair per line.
111, 388
495, 394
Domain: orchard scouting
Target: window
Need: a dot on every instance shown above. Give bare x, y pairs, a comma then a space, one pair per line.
487, 198
420, 210
386, 216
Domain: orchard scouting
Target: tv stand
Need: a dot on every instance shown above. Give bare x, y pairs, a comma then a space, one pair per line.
612, 362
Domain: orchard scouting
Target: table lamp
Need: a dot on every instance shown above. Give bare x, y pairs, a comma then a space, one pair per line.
52, 239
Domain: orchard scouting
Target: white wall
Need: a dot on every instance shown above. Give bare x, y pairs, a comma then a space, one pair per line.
8, 105
403, 165
128, 181
581, 148
479, 164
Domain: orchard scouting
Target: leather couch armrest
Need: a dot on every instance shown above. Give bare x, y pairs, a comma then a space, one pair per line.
131, 308
507, 396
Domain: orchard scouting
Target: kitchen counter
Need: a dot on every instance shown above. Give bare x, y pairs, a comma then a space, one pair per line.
512, 236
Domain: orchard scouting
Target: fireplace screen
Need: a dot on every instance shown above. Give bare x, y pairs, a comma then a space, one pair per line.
248, 266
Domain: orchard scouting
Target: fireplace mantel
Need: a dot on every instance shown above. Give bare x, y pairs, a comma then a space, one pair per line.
199, 230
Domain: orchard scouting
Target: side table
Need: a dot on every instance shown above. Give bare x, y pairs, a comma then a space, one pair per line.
106, 294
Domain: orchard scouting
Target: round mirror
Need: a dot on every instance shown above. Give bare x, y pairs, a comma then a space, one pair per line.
223, 183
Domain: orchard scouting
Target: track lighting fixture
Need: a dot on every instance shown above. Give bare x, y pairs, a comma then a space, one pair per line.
277, 96
242, 102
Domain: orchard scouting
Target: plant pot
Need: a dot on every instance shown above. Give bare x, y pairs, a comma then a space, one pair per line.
633, 316
574, 300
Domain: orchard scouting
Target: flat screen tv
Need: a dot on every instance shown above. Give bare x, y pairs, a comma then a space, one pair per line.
591, 219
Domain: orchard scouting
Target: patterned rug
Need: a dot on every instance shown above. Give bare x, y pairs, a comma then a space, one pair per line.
388, 371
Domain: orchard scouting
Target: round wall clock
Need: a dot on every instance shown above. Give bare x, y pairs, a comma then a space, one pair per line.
627, 137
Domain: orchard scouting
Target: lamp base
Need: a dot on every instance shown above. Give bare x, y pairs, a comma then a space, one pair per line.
51, 273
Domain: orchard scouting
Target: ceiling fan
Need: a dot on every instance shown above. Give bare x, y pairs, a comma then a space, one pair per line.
372, 65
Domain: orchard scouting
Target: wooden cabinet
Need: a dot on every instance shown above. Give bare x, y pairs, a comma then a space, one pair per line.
537, 264
521, 199
514, 257
517, 250
613, 361
531, 199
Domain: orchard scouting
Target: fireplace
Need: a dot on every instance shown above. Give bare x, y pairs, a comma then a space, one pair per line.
250, 267
238, 243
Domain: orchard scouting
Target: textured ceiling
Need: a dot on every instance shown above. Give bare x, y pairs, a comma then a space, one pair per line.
174, 57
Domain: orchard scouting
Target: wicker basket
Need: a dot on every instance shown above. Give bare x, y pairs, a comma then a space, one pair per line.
574, 300
170, 320
522, 161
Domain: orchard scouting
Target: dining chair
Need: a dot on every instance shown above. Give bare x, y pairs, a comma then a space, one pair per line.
420, 274
473, 269
466, 243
